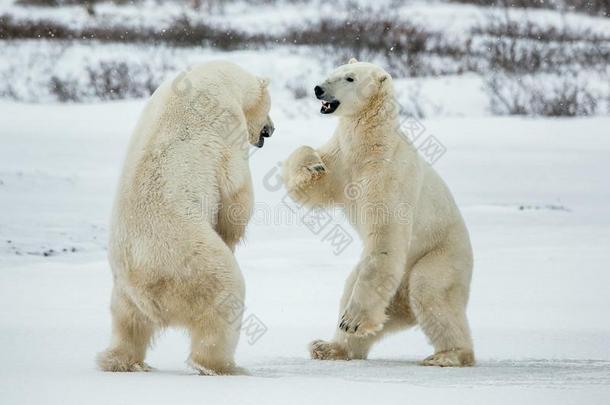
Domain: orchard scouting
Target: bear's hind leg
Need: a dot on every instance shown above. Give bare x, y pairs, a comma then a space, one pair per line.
213, 346
132, 332
346, 346
215, 307
438, 299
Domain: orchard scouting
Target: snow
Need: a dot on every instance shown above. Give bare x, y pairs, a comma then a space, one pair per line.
534, 193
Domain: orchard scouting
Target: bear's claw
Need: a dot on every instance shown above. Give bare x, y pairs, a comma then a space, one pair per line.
319, 168
359, 322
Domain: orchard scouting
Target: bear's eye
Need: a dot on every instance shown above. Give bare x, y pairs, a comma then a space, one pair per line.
349, 79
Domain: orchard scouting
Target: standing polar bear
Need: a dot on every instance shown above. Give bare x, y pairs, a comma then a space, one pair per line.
416, 264
183, 202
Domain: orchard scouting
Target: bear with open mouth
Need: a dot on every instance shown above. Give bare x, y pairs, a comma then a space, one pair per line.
416, 263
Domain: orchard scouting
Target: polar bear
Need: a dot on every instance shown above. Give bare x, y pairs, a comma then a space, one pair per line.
416, 263
183, 202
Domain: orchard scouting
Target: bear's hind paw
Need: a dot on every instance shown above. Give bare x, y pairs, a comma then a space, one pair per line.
321, 350
450, 358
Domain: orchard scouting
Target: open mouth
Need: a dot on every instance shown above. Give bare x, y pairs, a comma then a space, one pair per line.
329, 107
265, 133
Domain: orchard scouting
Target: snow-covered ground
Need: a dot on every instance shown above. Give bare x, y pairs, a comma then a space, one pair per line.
535, 194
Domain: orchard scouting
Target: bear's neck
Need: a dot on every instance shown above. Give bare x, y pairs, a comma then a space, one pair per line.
375, 130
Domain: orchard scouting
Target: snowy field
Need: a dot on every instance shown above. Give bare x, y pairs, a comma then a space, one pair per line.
535, 194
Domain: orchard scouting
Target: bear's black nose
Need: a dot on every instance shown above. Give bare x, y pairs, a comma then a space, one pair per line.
319, 91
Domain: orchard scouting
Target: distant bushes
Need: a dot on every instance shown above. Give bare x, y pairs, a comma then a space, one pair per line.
100, 80
517, 45
120, 80
532, 67
593, 7
181, 32
508, 50
401, 45
512, 27
512, 3
373, 32
405, 47
59, 3
552, 96
516, 55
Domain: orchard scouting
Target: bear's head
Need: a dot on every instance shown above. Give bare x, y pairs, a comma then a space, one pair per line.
260, 125
351, 88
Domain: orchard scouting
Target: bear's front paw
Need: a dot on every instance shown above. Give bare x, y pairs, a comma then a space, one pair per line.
308, 174
360, 322
304, 167
315, 170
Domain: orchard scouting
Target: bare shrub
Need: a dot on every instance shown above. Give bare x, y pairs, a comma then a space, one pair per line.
44, 3
509, 3
522, 46
185, 32
59, 3
593, 7
540, 96
101, 80
30, 29
401, 45
372, 33
64, 89
115, 81
513, 27
181, 32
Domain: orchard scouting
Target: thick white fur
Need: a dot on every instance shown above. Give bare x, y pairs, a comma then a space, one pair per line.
417, 260
183, 202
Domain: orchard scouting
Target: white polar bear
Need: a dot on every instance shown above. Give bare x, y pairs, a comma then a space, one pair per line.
417, 260
183, 202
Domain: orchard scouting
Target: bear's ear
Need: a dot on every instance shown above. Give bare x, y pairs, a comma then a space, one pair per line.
264, 82
382, 77
352, 60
